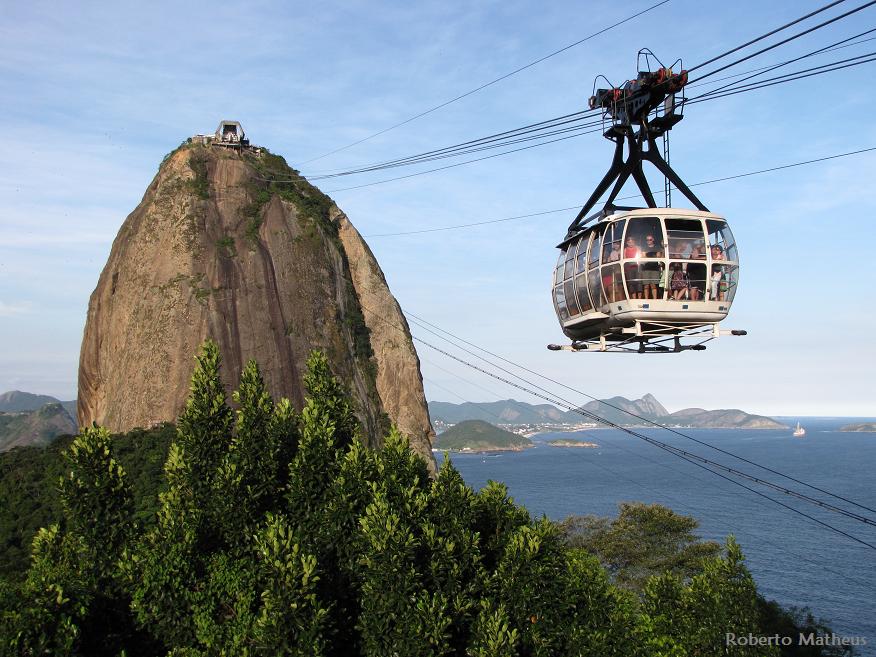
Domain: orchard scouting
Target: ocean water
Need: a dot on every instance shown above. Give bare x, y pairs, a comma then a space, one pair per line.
793, 559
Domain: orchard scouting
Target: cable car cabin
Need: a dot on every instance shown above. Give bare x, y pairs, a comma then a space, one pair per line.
640, 275
642, 279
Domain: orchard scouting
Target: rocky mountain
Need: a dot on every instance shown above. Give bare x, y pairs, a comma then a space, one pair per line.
34, 427
722, 419
618, 410
613, 410
476, 435
234, 245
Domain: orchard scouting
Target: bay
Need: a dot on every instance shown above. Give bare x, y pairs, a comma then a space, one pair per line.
793, 559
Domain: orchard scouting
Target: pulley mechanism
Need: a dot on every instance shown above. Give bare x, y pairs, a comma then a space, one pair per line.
640, 110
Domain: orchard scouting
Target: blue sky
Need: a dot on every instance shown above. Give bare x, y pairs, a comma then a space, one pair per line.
94, 95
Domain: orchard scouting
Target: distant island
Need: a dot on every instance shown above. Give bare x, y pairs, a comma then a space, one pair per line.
480, 436
532, 419
568, 442
860, 427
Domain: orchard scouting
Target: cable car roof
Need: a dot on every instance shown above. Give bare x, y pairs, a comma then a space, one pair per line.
616, 212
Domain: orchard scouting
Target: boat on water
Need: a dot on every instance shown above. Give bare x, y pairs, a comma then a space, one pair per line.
799, 432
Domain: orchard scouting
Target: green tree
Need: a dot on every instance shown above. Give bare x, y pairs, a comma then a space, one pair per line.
97, 500
697, 618
292, 620
74, 600
161, 567
327, 393
249, 481
642, 541
204, 428
281, 534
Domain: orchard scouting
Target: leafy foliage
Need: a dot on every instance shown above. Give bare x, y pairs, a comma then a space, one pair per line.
644, 540
281, 534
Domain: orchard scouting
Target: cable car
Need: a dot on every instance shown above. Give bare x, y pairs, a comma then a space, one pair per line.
648, 279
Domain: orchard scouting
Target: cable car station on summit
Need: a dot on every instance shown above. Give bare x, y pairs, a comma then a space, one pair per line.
644, 280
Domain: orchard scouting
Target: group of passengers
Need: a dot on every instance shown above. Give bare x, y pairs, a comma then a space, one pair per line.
647, 280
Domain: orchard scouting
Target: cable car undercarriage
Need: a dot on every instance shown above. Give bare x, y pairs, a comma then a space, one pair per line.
644, 280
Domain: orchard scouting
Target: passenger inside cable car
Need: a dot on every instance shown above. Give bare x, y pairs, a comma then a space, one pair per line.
637, 263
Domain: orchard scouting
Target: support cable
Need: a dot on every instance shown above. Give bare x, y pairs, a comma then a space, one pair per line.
691, 458
784, 41
491, 82
767, 35
658, 425
622, 198
677, 450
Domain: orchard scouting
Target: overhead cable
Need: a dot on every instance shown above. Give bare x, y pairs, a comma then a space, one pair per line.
675, 450
622, 198
790, 77
648, 421
784, 41
848, 42
767, 35
686, 456
490, 83
392, 162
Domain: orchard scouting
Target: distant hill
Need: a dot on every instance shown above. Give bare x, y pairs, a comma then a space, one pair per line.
34, 428
477, 435
724, 418
618, 410
15, 401
508, 411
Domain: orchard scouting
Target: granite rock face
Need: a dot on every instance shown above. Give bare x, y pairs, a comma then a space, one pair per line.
399, 382
235, 246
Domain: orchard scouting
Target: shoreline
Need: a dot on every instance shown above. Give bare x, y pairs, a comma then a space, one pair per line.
481, 450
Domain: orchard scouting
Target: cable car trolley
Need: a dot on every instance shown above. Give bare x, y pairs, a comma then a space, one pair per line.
644, 280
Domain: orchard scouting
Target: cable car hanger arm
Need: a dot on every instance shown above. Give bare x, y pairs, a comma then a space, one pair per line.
628, 106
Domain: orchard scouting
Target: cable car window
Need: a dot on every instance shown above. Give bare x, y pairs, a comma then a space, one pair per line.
719, 282
561, 263
583, 297
696, 276
581, 260
560, 302
641, 227
611, 242
594, 250
729, 281
632, 253
682, 235
647, 234
570, 262
720, 235
594, 284
569, 296
611, 283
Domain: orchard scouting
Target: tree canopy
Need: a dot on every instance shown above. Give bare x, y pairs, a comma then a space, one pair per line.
280, 533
